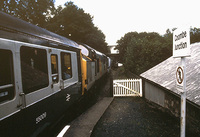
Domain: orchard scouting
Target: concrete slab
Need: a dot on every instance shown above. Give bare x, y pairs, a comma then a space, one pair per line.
84, 124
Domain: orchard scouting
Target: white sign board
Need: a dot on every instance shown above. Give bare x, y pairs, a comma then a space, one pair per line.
181, 43
179, 78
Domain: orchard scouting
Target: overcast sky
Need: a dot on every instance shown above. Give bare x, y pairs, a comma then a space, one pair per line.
118, 17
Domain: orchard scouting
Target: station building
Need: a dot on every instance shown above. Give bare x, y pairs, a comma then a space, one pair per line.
159, 87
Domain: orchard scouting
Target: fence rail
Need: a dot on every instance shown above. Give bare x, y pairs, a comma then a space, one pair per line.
127, 87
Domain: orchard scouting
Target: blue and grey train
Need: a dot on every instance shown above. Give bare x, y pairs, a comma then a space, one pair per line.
42, 74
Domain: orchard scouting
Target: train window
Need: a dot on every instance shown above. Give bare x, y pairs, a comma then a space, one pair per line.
66, 65
97, 65
54, 68
95, 68
34, 69
6, 75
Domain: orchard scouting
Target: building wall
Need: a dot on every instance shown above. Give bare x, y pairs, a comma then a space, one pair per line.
170, 102
154, 94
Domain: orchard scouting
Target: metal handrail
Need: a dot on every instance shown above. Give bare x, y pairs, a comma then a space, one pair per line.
6, 86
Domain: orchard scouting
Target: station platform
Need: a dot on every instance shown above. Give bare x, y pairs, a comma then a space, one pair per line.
84, 124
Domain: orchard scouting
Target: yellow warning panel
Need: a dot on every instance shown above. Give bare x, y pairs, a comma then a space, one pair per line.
84, 75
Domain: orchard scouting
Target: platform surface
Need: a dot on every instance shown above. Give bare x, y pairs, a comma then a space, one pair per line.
84, 124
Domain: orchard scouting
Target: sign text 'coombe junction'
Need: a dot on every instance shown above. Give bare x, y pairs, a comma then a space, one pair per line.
181, 45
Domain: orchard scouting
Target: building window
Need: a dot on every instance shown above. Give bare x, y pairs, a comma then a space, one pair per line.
34, 69
66, 65
6, 75
54, 68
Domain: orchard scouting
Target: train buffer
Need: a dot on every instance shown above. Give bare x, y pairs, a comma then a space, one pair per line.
84, 124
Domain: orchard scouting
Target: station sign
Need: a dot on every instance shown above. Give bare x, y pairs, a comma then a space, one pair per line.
181, 49
180, 78
181, 43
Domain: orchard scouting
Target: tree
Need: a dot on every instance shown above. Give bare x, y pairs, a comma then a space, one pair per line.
8, 6
141, 51
194, 35
72, 22
33, 11
124, 42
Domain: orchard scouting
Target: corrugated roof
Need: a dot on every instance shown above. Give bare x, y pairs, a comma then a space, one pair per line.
163, 74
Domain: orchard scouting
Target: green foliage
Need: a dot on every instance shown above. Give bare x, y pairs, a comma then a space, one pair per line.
8, 6
72, 22
194, 35
34, 11
141, 51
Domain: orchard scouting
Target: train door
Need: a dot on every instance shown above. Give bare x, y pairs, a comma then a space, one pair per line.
70, 75
55, 70
34, 74
100, 67
9, 88
69, 68
97, 67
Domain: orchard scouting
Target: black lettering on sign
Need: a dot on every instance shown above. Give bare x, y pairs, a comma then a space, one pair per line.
181, 46
181, 36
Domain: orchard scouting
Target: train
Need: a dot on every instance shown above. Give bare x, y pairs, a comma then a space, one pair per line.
42, 74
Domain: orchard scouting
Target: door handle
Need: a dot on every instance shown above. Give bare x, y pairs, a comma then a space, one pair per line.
22, 104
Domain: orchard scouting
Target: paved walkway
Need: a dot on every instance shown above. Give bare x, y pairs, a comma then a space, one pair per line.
84, 124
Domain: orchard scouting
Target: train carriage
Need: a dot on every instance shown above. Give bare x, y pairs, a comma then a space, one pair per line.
88, 66
40, 76
92, 66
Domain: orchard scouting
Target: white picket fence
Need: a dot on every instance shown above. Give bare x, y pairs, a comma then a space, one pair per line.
127, 87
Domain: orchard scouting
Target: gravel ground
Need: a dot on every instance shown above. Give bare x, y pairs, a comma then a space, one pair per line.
134, 117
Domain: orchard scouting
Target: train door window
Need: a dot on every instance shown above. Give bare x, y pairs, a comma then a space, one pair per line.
34, 69
6, 76
97, 65
66, 65
95, 68
54, 68
104, 63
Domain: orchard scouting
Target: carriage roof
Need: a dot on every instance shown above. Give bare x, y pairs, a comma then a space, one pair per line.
30, 33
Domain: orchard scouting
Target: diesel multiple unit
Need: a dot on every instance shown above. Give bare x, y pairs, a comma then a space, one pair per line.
41, 75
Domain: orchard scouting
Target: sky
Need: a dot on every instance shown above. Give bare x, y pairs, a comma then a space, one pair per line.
115, 18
